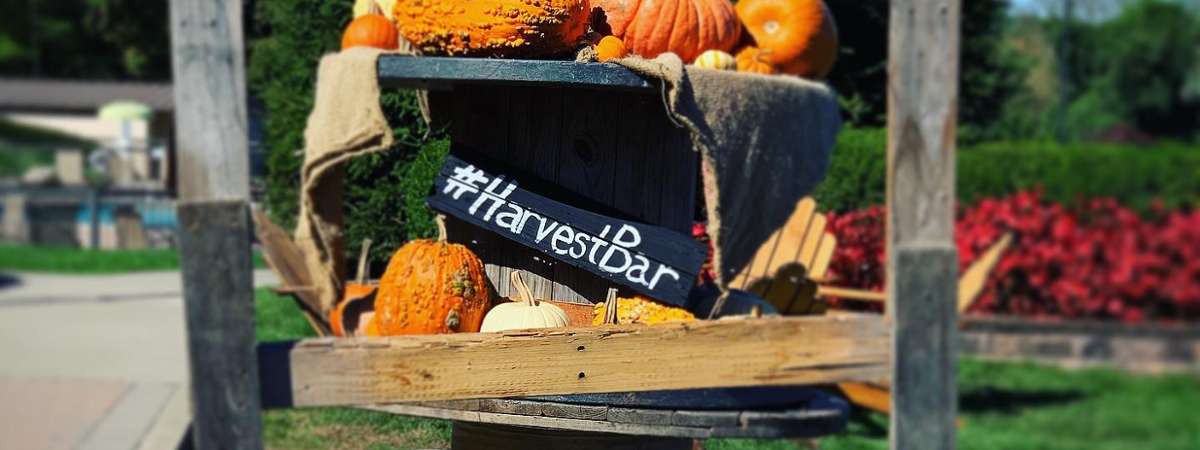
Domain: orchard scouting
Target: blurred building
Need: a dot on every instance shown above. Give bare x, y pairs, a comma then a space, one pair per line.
112, 185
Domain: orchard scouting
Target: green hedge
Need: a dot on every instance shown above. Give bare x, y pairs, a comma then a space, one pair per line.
1135, 176
385, 193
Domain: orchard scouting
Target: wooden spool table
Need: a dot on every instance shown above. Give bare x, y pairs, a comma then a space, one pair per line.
594, 137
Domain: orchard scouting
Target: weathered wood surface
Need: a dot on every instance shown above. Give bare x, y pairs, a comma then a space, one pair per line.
214, 221
923, 69
210, 97
822, 415
578, 144
769, 351
218, 292
399, 71
651, 260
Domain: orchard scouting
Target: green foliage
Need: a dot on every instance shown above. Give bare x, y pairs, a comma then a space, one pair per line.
1135, 176
992, 72
85, 39
857, 171
1138, 69
384, 192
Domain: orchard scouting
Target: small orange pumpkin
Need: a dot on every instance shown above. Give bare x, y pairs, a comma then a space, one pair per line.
358, 298
371, 30
610, 47
753, 60
431, 287
685, 27
800, 35
356, 301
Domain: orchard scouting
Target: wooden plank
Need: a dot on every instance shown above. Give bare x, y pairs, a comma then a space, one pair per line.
923, 77
396, 71
208, 64
660, 263
626, 358
975, 278
218, 292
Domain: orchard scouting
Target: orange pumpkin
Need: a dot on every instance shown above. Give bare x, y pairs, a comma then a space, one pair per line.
685, 27
498, 28
610, 47
798, 37
371, 30
357, 299
431, 287
754, 60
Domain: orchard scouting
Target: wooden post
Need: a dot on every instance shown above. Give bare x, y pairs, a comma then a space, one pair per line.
214, 222
922, 259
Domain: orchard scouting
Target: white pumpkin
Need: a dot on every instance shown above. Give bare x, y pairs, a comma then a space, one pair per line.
526, 313
716, 60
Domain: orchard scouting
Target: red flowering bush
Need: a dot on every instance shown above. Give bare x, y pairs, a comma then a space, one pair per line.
1100, 260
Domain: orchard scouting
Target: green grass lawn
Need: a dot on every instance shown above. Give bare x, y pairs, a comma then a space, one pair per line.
1003, 405
32, 258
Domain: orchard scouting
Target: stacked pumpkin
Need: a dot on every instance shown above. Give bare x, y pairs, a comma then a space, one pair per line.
796, 37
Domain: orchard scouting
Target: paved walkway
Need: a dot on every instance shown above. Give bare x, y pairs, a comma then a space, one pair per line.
94, 362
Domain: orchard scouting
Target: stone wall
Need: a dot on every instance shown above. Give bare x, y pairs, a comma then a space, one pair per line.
1141, 348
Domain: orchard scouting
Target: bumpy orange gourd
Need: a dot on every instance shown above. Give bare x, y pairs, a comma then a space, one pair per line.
800, 35
753, 60
496, 28
371, 30
643, 310
610, 47
431, 287
685, 27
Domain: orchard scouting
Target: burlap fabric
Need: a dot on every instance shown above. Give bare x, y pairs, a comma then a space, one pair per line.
346, 121
765, 143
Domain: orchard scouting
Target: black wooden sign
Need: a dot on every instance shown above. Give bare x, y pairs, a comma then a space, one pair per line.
651, 260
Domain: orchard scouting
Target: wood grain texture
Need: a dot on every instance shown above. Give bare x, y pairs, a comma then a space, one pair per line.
771, 351
210, 97
218, 292
923, 78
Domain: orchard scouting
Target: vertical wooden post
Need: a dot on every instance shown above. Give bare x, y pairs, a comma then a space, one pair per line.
214, 222
923, 60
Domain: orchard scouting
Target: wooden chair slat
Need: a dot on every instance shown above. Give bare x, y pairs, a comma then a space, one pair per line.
812, 240
820, 266
781, 248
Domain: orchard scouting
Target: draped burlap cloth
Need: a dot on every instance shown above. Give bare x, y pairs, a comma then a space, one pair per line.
765, 143
346, 121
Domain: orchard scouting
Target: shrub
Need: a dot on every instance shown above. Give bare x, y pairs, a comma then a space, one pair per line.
1096, 260
1168, 174
384, 193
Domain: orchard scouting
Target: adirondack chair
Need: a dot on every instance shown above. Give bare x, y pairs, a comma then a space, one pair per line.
790, 269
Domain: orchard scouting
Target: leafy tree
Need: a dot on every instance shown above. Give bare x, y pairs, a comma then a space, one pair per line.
991, 72
1147, 54
85, 39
